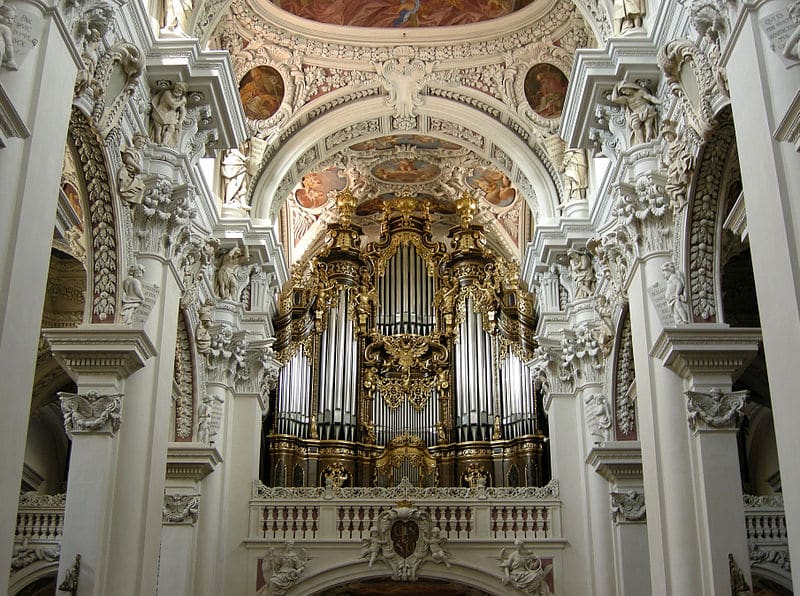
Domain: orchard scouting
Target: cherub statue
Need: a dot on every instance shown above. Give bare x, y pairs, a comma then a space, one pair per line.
167, 113
437, 546
7, 16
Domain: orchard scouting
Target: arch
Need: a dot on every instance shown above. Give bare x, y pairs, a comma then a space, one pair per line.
103, 245
371, 118
473, 577
704, 218
26, 577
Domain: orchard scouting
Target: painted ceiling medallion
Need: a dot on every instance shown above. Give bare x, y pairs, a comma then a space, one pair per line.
495, 184
400, 13
405, 170
316, 186
261, 91
385, 143
546, 89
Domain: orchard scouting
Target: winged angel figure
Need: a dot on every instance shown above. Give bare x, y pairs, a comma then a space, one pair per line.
525, 571
715, 408
91, 412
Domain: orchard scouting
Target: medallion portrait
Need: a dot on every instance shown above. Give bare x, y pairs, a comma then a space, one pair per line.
261, 91
546, 89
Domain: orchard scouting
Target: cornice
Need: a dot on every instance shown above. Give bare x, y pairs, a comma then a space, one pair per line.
706, 348
191, 461
788, 129
101, 349
617, 461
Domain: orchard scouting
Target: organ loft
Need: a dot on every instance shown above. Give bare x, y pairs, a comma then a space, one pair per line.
403, 357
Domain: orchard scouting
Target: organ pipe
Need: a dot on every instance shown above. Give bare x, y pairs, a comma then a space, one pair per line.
402, 318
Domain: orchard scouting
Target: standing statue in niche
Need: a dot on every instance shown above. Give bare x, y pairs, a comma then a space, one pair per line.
7, 16
167, 113
641, 113
132, 293
129, 177
525, 571
675, 293
576, 179
629, 14
233, 273
176, 18
238, 167
583, 276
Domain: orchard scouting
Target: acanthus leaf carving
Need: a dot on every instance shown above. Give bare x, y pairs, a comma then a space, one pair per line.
163, 220
91, 412
628, 506
645, 209
715, 409
180, 509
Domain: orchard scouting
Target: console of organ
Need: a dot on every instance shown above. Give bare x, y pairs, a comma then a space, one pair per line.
403, 339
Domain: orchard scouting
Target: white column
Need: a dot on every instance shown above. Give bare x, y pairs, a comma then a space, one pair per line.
178, 540
764, 96
673, 534
620, 464
99, 358
30, 173
714, 414
142, 459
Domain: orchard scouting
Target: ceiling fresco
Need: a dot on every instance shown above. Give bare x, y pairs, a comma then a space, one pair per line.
424, 142
400, 13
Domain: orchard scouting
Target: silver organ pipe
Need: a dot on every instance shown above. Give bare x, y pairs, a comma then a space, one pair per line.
406, 294
519, 415
294, 390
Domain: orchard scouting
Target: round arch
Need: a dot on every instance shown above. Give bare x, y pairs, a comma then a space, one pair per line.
472, 577
371, 118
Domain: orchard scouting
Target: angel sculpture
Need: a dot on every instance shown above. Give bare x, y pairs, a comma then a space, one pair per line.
525, 571
285, 567
438, 549
372, 547
233, 273
91, 412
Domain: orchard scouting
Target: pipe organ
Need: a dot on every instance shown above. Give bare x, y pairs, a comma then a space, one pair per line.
404, 358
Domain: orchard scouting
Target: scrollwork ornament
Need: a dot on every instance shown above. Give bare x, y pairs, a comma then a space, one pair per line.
715, 409
180, 509
91, 413
628, 506
121, 57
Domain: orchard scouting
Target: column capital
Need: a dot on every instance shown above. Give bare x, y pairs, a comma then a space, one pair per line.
701, 351
180, 509
107, 350
715, 410
628, 507
91, 413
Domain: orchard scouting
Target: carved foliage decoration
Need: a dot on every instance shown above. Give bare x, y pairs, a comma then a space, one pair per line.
705, 209
180, 509
91, 413
403, 539
104, 259
628, 506
184, 384
691, 80
624, 379
715, 409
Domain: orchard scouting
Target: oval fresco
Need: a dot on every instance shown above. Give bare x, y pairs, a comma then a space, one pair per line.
316, 186
74, 198
495, 184
546, 89
400, 13
391, 141
405, 170
261, 91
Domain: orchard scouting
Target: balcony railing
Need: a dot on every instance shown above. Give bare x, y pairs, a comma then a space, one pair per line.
462, 514
40, 525
766, 530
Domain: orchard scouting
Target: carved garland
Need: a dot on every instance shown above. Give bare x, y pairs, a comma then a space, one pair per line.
705, 209
624, 377
103, 255
184, 383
